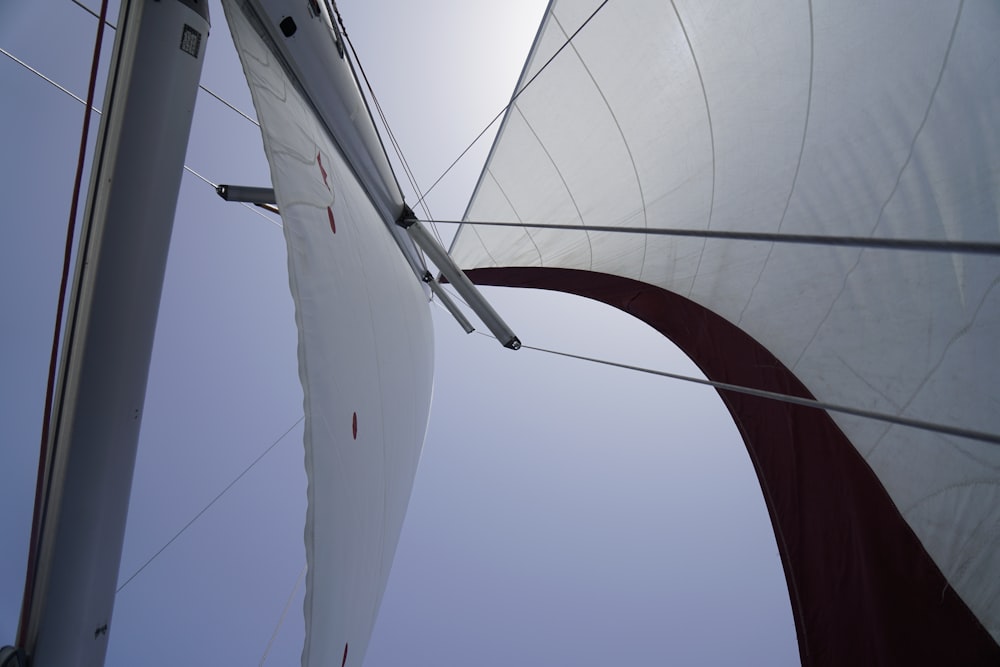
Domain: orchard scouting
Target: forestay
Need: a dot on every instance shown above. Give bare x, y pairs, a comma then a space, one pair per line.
365, 360
825, 118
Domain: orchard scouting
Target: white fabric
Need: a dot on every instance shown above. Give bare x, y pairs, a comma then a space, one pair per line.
365, 349
848, 118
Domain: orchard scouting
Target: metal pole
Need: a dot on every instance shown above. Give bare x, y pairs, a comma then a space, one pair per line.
246, 193
449, 303
138, 162
480, 306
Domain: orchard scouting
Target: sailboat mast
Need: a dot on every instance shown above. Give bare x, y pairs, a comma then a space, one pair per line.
96, 414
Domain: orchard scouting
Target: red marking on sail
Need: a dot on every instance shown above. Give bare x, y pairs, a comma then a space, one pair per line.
354, 425
329, 211
344, 661
319, 161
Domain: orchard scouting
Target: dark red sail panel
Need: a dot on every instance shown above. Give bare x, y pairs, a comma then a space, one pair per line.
863, 589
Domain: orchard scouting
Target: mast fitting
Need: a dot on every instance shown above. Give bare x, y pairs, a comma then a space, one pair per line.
453, 274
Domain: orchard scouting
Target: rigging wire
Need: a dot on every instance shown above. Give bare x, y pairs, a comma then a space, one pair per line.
98, 112
45, 78
513, 98
44, 453
244, 204
209, 505
92, 13
229, 104
411, 177
89, 104
397, 147
931, 245
761, 393
920, 424
284, 612
200, 85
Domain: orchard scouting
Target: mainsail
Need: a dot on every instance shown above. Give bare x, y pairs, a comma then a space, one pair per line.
871, 120
365, 352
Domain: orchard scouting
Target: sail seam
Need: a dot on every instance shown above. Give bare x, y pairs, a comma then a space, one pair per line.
517, 93
479, 236
909, 156
569, 192
621, 132
798, 162
711, 135
944, 352
369, 301
541, 260
923, 121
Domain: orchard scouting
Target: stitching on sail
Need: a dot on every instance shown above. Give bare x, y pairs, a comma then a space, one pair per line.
847, 276
569, 193
711, 137
923, 121
798, 162
628, 148
527, 232
944, 353
475, 231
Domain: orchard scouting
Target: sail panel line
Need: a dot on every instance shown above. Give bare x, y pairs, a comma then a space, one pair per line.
517, 93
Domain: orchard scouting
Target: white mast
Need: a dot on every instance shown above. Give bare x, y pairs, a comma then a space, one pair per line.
96, 414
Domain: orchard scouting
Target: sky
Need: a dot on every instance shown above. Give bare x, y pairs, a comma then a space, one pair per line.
563, 512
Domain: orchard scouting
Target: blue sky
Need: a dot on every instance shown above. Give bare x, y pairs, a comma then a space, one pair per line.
563, 513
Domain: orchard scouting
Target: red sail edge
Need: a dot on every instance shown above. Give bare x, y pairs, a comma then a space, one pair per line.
863, 589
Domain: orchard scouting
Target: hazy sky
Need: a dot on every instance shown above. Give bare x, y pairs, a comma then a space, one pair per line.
563, 513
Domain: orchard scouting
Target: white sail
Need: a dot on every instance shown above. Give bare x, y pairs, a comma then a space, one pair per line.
829, 119
769, 60
365, 359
